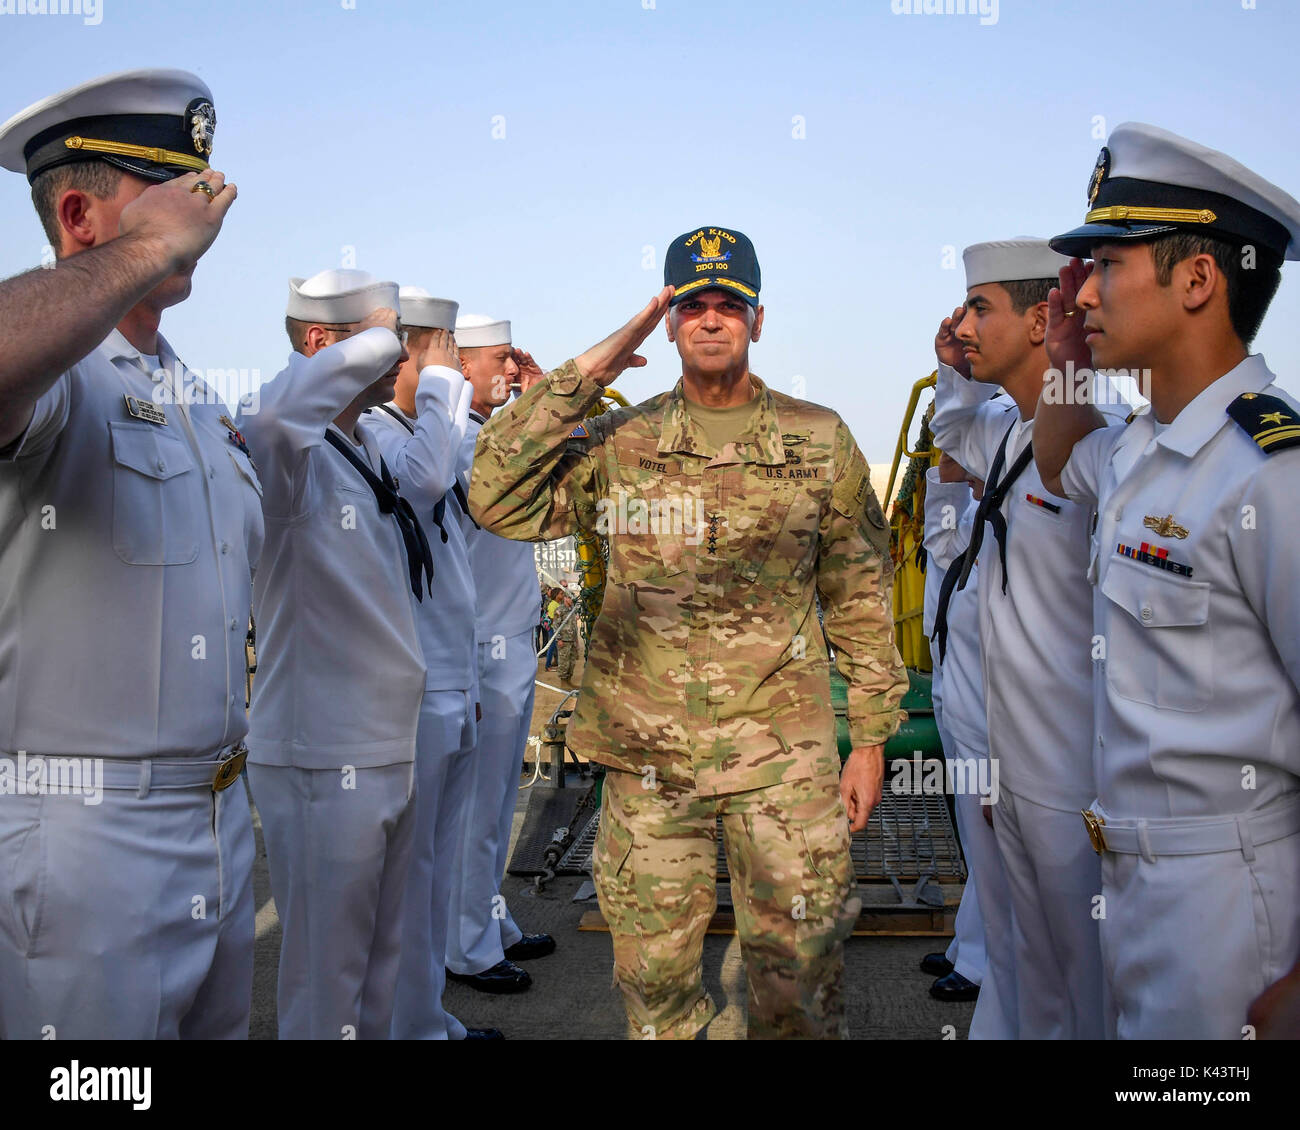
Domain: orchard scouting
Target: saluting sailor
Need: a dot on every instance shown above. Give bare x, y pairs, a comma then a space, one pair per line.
980, 962
340, 671
483, 942
1035, 631
1197, 573
420, 434
130, 518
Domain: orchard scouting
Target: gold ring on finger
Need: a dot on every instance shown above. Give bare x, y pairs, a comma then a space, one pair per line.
205, 188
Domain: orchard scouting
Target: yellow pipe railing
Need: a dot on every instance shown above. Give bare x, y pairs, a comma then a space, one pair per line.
900, 448
907, 531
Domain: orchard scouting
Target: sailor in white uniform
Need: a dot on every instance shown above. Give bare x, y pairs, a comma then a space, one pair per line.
484, 943
130, 518
340, 671
1197, 574
1035, 632
982, 950
420, 435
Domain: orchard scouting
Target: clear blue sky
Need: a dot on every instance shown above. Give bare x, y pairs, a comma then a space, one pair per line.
371, 128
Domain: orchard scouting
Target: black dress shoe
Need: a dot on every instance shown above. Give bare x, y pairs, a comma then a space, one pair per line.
936, 965
484, 1034
530, 946
954, 987
503, 977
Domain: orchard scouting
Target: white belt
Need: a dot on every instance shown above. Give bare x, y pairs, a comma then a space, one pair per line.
146, 774
1193, 835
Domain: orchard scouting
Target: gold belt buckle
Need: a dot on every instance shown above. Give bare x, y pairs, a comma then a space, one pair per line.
1094, 824
228, 771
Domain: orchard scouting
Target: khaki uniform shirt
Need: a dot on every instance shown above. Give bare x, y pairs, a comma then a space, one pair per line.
707, 661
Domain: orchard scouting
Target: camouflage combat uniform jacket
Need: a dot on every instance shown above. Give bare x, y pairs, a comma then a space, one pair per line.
707, 661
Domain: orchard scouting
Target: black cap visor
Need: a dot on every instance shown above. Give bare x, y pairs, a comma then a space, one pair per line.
1080, 242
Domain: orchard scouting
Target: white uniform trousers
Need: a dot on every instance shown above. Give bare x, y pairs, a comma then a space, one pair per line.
131, 919
967, 950
444, 782
996, 1012
1054, 878
481, 926
338, 857
1189, 941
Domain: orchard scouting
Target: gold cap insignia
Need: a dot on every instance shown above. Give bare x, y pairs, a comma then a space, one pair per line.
1164, 527
203, 125
1099, 174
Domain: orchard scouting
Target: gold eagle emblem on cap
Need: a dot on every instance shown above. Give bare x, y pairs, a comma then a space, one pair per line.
1164, 527
710, 247
203, 125
1099, 174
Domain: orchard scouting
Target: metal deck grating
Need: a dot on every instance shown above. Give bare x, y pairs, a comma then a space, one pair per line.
907, 837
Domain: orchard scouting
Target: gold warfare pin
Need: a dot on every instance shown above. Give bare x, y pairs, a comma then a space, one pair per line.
1164, 527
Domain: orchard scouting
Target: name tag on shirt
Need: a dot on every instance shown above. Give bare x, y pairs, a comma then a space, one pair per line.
146, 411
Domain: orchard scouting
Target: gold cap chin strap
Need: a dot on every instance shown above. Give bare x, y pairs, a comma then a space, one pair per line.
147, 153
1159, 215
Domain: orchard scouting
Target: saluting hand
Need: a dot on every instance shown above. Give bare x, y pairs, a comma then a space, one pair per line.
1065, 341
439, 349
946, 346
530, 372
604, 361
380, 316
862, 783
180, 222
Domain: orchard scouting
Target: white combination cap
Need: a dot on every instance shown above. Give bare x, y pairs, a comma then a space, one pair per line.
473, 330
157, 124
420, 308
1011, 260
339, 297
1148, 181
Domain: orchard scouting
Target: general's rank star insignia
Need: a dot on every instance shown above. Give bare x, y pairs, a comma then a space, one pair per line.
1164, 527
1273, 418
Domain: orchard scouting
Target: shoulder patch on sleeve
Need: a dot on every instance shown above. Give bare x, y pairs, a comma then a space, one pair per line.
851, 491
579, 432
853, 497
1270, 421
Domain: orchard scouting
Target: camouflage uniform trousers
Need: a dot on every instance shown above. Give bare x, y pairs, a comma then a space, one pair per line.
568, 648
792, 885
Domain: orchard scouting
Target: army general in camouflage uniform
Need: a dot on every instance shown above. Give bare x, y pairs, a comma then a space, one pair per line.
727, 507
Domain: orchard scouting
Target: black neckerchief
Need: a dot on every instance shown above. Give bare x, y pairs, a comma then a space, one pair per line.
990, 511
418, 558
440, 507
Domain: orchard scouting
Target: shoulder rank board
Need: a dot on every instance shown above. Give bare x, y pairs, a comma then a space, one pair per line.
1269, 421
